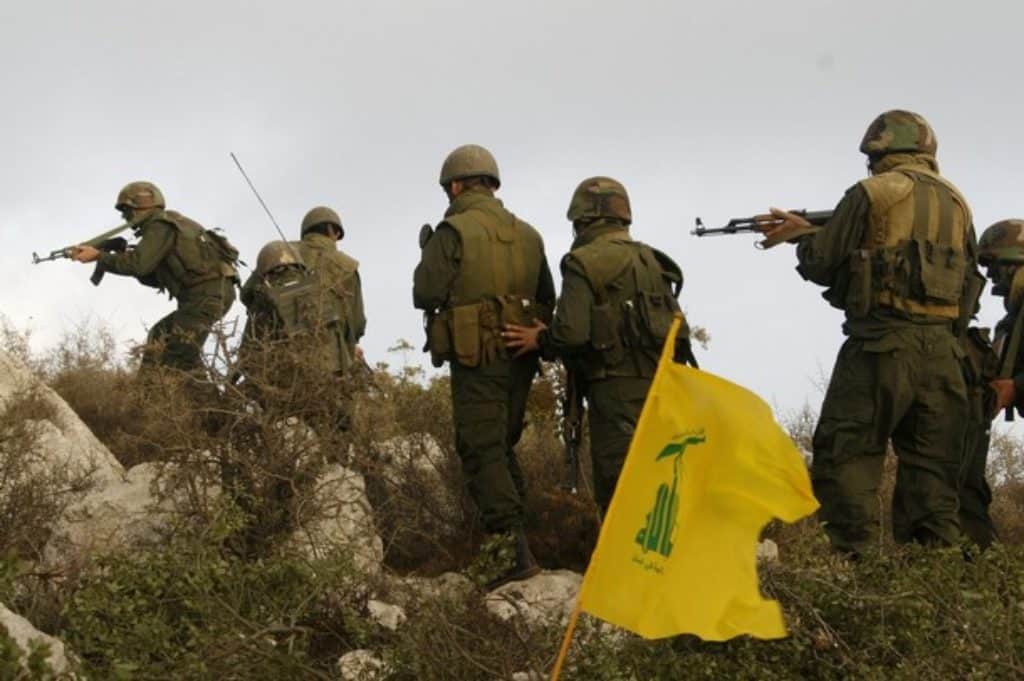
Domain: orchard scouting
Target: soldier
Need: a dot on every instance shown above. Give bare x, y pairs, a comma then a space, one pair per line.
321, 231
617, 304
1001, 252
194, 265
289, 319
337, 272
897, 257
481, 268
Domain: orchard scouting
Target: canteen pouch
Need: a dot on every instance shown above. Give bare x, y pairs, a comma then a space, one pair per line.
439, 338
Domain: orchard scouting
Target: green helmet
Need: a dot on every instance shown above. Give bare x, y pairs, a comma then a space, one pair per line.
321, 215
896, 131
600, 197
470, 160
276, 254
1002, 242
140, 195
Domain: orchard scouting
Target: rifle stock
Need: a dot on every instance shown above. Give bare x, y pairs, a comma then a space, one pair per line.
572, 429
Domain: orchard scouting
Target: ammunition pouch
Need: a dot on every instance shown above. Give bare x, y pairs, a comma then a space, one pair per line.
942, 270
471, 334
859, 292
439, 338
465, 329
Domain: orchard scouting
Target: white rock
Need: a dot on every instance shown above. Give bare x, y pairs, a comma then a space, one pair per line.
527, 676
68, 442
344, 523
419, 457
407, 591
22, 632
114, 515
768, 552
550, 596
361, 665
386, 615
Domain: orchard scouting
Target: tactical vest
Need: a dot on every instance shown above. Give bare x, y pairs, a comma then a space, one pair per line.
500, 267
289, 305
912, 257
635, 289
199, 255
336, 271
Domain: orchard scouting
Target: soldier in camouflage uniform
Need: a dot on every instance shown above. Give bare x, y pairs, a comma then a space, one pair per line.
1001, 252
481, 268
177, 255
897, 257
617, 303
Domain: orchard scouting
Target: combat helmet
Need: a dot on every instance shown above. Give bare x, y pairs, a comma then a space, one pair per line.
600, 197
470, 160
276, 254
1003, 242
898, 131
321, 215
140, 195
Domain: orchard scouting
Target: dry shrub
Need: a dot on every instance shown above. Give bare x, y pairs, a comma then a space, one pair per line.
34, 488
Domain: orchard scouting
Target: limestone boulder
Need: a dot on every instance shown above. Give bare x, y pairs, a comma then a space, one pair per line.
24, 635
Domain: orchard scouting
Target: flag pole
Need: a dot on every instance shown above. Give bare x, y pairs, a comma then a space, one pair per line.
566, 642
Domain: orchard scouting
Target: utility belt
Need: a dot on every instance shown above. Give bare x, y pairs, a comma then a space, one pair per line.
471, 334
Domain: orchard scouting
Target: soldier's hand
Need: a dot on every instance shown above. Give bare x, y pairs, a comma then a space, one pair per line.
790, 227
83, 253
522, 339
1006, 393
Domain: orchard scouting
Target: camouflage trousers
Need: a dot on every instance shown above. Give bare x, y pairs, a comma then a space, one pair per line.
176, 341
489, 405
613, 406
905, 386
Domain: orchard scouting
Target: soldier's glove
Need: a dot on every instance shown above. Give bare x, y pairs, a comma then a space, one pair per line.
784, 226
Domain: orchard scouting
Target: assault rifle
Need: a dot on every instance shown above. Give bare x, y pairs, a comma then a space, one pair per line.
108, 242
760, 224
572, 429
1008, 348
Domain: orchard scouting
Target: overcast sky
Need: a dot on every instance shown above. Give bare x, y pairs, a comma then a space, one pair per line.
714, 109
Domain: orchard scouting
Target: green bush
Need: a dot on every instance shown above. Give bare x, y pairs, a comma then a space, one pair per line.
186, 610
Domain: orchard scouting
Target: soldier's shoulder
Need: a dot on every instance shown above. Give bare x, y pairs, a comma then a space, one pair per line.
886, 189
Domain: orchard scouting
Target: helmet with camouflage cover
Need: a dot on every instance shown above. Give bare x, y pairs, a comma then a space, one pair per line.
600, 197
470, 160
321, 215
1003, 242
140, 195
276, 254
898, 131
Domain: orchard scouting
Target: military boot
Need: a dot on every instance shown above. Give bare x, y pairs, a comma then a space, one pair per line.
524, 566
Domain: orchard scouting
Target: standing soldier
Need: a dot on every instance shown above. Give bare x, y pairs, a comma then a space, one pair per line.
321, 232
617, 304
897, 257
481, 268
194, 265
1001, 252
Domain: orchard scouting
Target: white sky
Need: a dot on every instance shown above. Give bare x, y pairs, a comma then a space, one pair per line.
711, 109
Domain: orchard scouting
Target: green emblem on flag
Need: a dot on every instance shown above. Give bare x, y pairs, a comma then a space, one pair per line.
660, 524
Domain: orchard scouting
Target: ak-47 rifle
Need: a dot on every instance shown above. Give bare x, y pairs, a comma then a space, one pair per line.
572, 429
108, 242
760, 224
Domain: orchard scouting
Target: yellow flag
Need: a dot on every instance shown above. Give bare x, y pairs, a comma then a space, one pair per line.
707, 468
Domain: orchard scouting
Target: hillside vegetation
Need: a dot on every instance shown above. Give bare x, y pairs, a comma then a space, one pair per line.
220, 591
